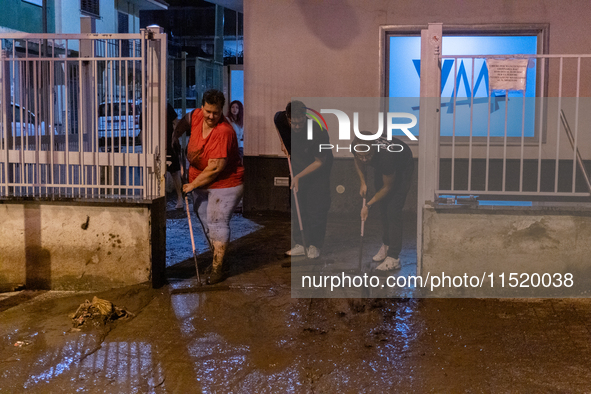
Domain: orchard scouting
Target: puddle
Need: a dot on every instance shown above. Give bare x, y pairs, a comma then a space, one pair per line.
178, 237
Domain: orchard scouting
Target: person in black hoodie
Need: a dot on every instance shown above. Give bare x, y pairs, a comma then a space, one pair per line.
310, 177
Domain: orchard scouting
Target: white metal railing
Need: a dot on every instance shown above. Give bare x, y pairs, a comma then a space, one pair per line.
70, 123
508, 143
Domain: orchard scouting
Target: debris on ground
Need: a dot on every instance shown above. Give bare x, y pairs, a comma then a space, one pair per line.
11, 287
22, 343
97, 312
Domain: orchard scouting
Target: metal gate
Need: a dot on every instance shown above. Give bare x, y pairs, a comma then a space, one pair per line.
81, 116
549, 163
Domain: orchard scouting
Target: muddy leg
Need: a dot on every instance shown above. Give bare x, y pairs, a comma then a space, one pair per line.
222, 203
219, 251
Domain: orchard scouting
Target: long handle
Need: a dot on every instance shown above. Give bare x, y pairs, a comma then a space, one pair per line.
363, 221
192, 238
361, 243
295, 196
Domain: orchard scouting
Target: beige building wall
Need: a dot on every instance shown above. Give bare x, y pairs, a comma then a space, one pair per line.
310, 48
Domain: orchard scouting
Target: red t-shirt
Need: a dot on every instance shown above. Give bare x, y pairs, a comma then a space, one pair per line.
221, 143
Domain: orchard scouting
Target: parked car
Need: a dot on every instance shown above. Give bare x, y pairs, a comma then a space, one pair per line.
120, 121
23, 120
117, 120
27, 127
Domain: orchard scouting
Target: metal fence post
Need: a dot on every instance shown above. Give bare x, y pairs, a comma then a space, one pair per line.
156, 58
6, 118
429, 122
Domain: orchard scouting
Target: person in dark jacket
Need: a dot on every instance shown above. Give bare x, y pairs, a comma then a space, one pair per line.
310, 177
393, 166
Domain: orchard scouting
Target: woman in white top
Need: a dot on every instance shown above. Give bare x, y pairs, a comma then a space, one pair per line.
236, 118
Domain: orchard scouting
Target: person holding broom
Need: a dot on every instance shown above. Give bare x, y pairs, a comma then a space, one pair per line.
310, 171
394, 165
215, 173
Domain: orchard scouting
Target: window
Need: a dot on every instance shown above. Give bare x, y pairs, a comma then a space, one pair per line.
233, 37
123, 27
237, 85
466, 92
122, 22
90, 7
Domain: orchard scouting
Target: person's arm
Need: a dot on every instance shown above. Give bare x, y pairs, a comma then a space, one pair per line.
315, 165
283, 148
388, 181
182, 126
360, 168
239, 132
208, 175
321, 137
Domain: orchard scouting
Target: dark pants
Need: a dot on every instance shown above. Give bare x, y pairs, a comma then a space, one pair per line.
392, 205
314, 202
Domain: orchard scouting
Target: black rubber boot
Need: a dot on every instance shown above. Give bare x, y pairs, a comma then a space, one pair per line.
216, 276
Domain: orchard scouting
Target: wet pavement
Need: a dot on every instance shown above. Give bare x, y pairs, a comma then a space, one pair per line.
249, 336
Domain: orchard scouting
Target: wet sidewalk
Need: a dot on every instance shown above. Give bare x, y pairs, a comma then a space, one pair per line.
250, 336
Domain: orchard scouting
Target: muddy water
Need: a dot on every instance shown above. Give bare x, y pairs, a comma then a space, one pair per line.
178, 238
279, 344
255, 338
272, 343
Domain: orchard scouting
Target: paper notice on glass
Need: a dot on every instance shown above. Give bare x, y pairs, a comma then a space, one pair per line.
507, 74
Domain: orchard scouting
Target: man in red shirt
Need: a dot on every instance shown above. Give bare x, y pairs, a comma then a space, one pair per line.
215, 172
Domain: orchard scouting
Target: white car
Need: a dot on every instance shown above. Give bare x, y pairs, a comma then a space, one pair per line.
24, 126
27, 127
119, 121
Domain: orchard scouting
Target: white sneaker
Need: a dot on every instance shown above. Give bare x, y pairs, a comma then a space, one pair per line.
390, 263
313, 252
382, 253
297, 250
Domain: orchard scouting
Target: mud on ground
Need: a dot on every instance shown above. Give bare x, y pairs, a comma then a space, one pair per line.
253, 337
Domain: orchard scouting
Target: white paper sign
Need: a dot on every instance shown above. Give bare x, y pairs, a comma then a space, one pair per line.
507, 74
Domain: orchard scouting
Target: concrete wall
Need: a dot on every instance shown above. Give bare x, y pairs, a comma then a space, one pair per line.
260, 192
48, 245
498, 240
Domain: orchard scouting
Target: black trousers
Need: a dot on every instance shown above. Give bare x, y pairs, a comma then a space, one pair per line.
390, 208
314, 202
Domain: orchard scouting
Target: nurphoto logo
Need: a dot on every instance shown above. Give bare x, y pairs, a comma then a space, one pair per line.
345, 130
